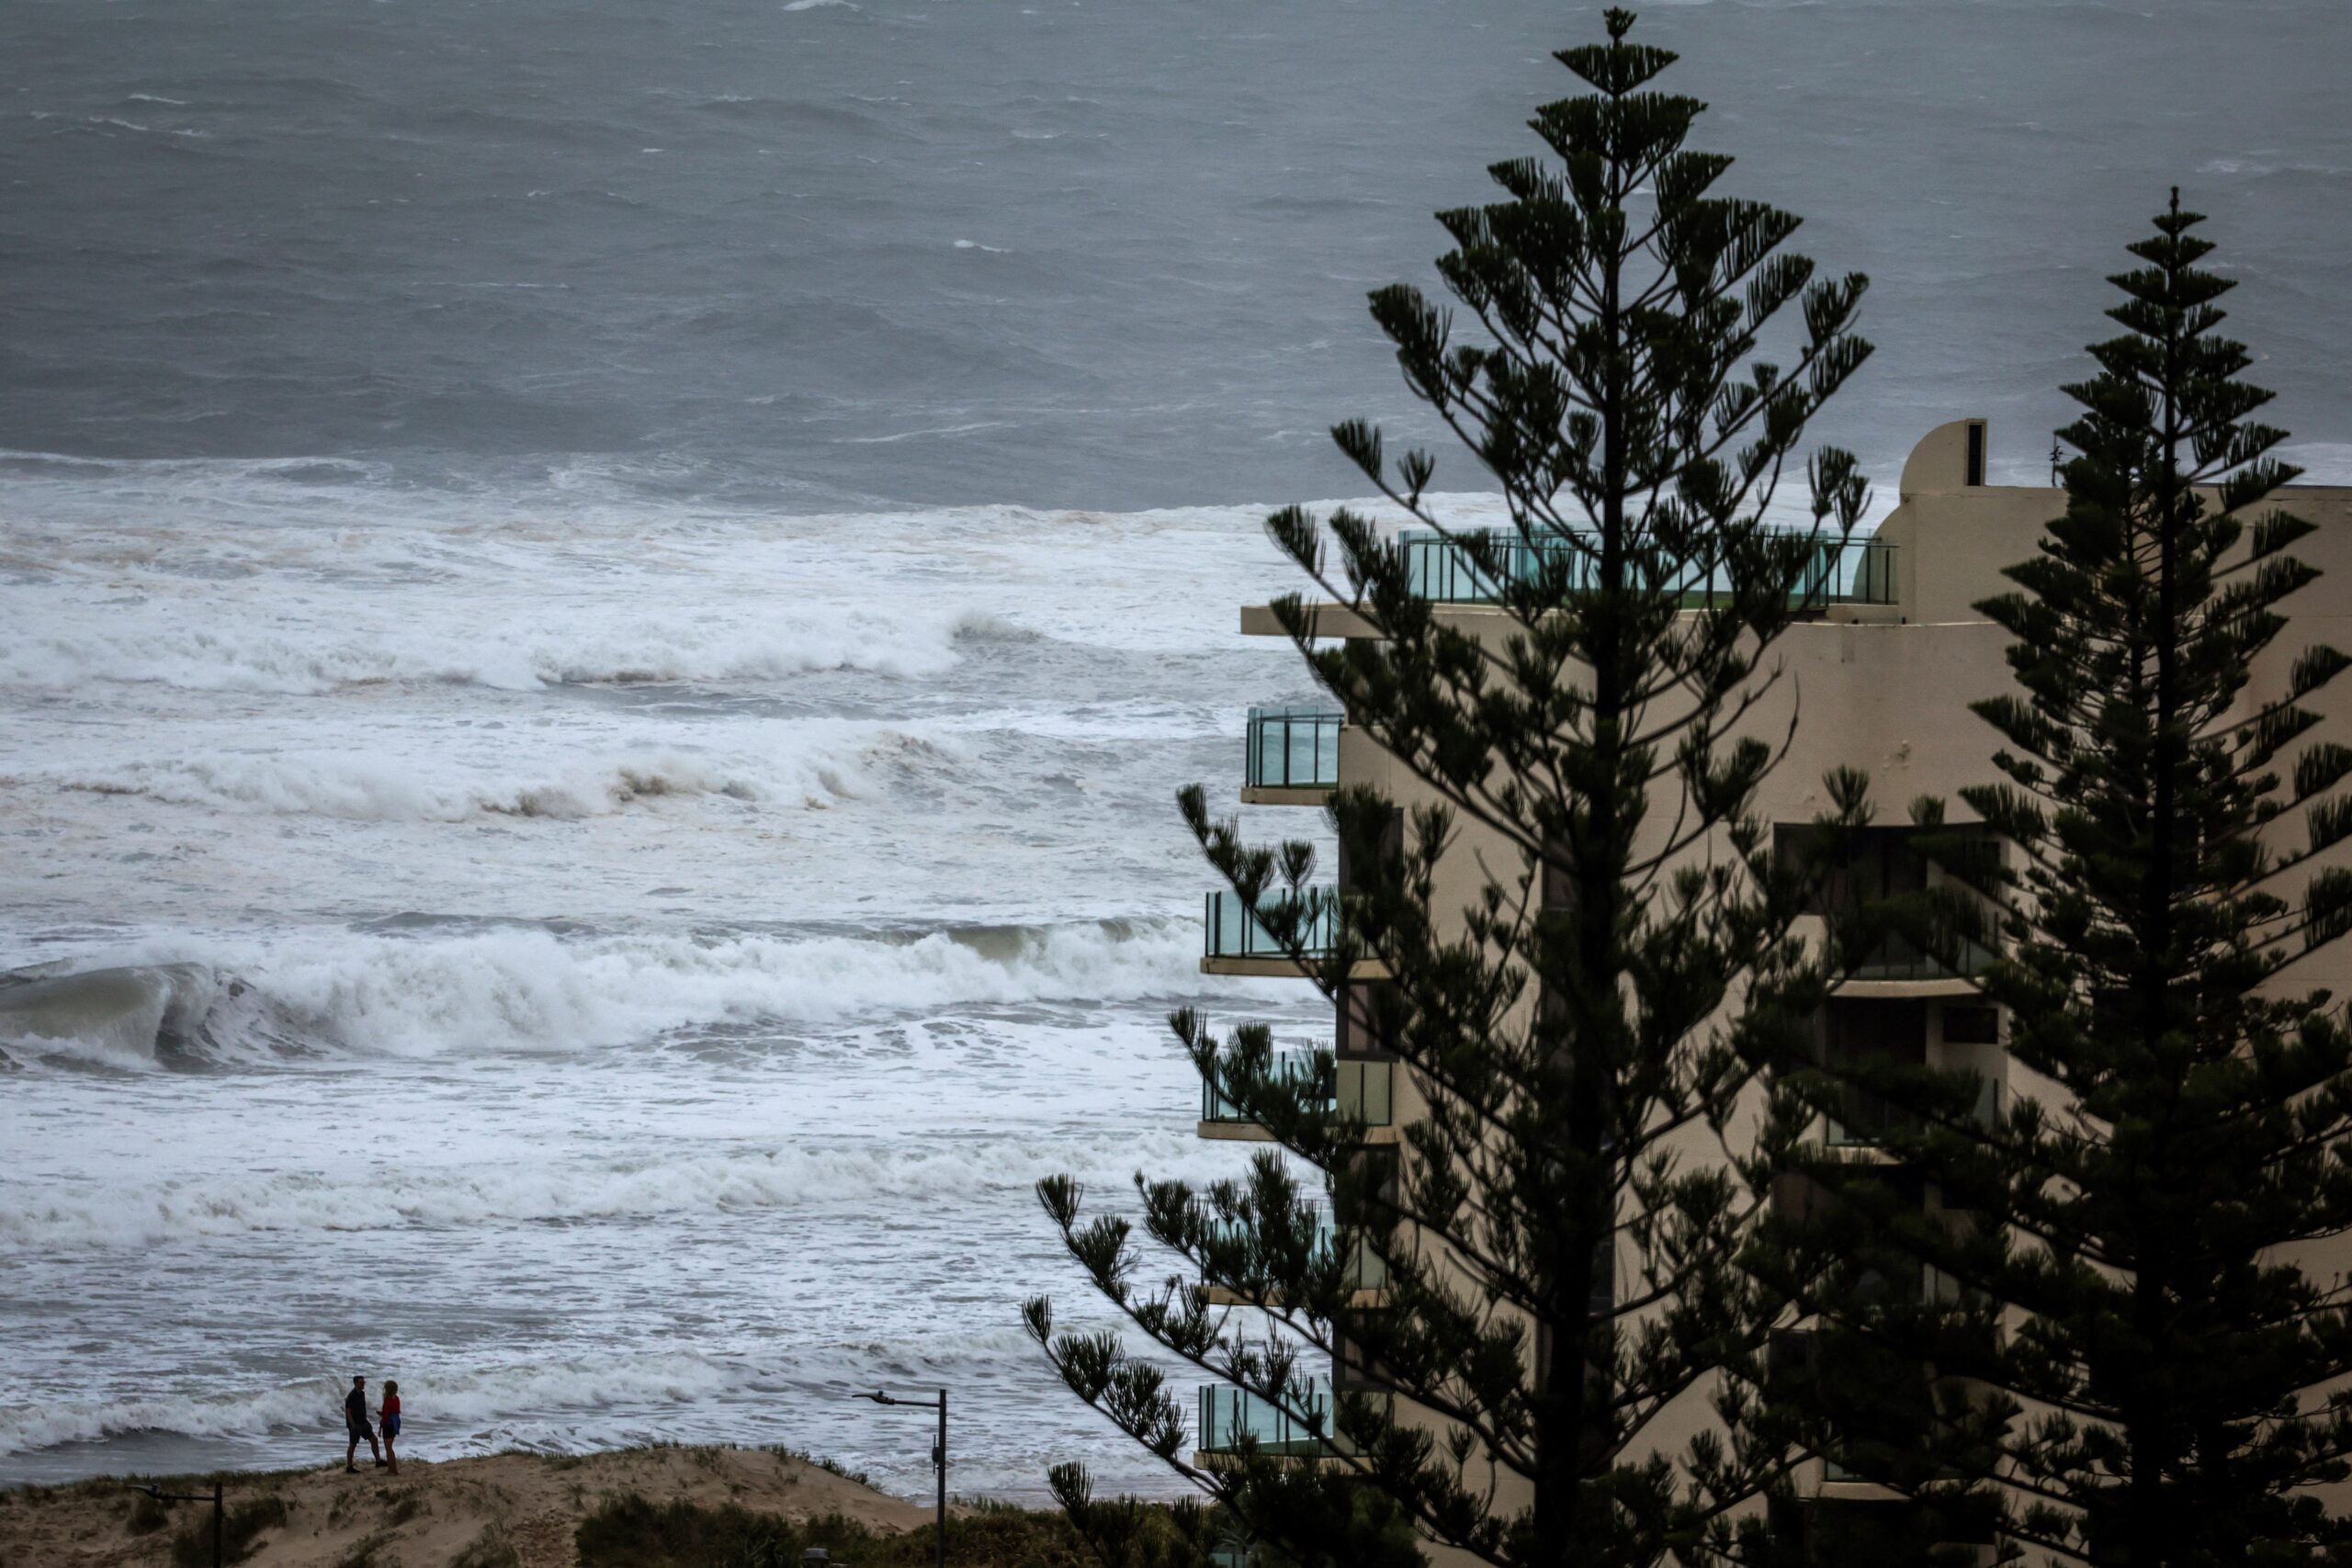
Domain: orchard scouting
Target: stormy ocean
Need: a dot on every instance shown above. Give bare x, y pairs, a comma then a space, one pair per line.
601, 606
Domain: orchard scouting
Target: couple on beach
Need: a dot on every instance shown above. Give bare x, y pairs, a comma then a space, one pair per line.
354, 1422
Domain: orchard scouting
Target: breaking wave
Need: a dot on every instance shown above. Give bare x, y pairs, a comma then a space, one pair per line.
212, 652
524, 989
569, 1405
394, 789
864, 1176
469, 1397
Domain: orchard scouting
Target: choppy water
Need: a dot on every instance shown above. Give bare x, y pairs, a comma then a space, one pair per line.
549, 653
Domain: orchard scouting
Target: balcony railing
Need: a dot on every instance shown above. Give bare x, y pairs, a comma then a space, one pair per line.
1293, 748
1869, 1118
1836, 571
1359, 1090
1366, 1269
1900, 958
1229, 1415
1234, 931
1285, 1067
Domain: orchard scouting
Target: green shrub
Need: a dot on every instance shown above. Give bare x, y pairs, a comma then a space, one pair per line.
630, 1532
241, 1532
148, 1515
829, 1466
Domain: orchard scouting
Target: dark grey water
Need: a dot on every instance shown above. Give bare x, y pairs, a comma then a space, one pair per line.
1108, 255
592, 683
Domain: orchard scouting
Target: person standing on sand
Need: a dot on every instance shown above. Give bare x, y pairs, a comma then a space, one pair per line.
355, 1422
389, 1417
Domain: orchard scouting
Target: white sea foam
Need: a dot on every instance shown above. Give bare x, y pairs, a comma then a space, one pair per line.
391, 788
457, 1397
200, 648
864, 1178
525, 989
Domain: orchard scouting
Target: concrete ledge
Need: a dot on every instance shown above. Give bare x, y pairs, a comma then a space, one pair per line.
1218, 1458
1362, 1301
1329, 620
1943, 986
1341, 621
1273, 795
1282, 968
1862, 1154
1250, 1132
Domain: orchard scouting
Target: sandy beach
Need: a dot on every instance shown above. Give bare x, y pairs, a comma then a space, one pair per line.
504, 1511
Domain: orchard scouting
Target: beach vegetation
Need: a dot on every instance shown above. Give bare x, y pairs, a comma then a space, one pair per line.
148, 1515
629, 1531
492, 1549
243, 1526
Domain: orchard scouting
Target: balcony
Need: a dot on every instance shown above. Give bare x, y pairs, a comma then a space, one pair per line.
1365, 1275
1359, 1090
1900, 961
1235, 940
1850, 571
1293, 756
1231, 1416
1867, 1119
1285, 1068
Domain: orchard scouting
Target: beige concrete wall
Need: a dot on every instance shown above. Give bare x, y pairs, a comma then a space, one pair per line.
1888, 691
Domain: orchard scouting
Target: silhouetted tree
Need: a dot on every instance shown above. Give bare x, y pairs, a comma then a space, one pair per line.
2139, 1215
1561, 1232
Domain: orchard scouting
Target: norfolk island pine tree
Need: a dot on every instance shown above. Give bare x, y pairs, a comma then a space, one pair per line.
2146, 1363
1560, 1268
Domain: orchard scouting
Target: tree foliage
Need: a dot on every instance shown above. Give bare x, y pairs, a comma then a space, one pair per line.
2138, 1218
1586, 1033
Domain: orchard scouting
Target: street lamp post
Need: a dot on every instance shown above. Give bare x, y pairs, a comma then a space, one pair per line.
938, 1456
162, 1496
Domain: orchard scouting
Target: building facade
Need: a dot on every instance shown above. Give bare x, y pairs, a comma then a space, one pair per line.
1882, 680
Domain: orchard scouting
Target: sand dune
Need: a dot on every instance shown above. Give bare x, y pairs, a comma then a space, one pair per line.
507, 1511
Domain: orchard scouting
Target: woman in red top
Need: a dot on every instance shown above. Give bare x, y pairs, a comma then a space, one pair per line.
388, 1418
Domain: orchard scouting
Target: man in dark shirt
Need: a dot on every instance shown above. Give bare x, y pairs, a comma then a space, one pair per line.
354, 1422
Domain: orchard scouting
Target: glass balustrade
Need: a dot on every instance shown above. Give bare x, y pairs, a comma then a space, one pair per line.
1293, 748
1366, 1269
1357, 1091
1834, 570
1866, 1118
1900, 958
1235, 931
1230, 1416
1285, 1067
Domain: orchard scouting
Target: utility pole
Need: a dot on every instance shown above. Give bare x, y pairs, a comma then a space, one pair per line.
938, 1458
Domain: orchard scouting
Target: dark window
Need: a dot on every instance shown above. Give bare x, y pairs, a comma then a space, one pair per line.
1971, 1026
1858, 1030
1389, 845
1880, 864
1365, 1013
1856, 1532
1975, 453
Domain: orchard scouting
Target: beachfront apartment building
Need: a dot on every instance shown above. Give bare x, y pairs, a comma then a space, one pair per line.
1886, 673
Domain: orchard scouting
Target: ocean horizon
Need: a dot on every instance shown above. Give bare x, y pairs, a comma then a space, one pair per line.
600, 614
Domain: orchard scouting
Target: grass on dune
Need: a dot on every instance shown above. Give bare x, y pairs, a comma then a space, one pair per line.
630, 1532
